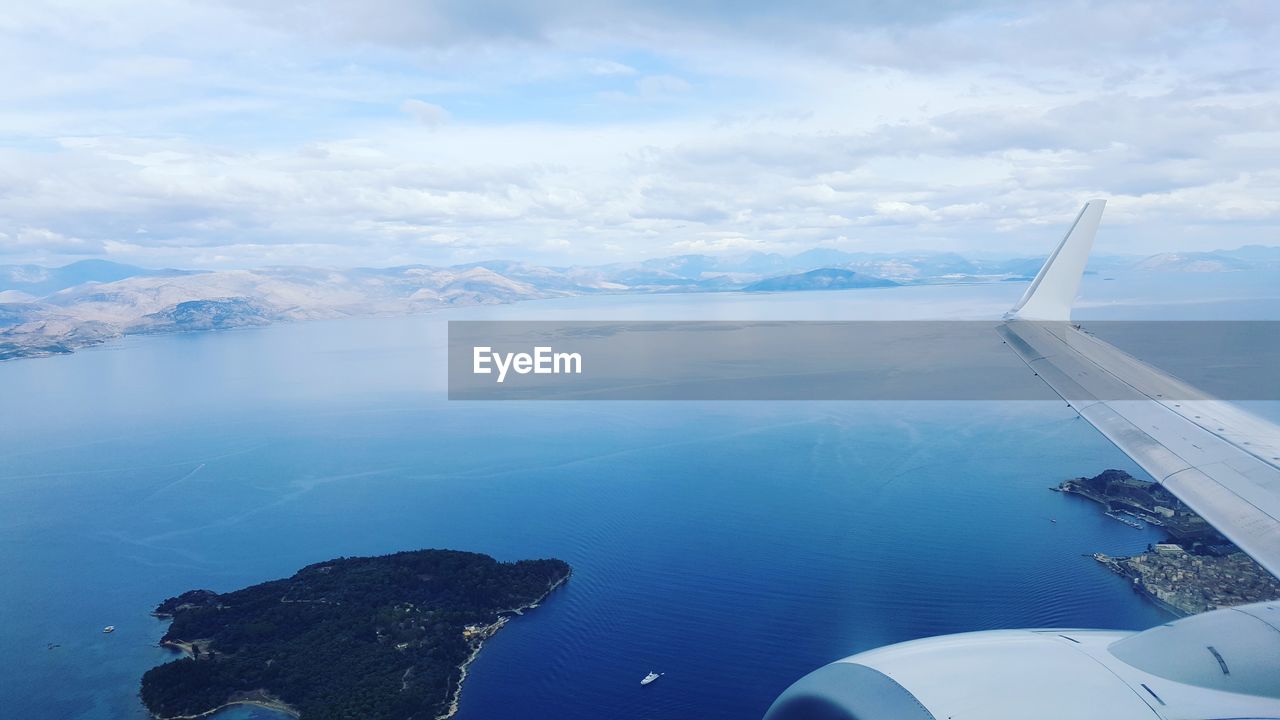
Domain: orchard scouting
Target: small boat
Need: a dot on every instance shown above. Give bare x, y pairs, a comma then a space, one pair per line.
650, 678
109, 629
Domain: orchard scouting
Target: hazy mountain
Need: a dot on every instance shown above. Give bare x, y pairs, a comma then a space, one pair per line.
1258, 256
204, 315
820, 279
1252, 257
168, 301
39, 281
52, 310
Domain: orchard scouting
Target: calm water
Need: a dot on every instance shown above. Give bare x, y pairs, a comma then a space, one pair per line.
734, 546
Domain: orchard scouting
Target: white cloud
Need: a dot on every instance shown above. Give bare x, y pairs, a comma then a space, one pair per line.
249, 133
425, 113
31, 241
660, 85
597, 66
716, 243
649, 89
904, 212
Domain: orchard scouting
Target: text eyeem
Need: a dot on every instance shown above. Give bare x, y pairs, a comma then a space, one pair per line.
542, 361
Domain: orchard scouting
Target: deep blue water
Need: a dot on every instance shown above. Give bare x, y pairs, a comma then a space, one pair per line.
733, 546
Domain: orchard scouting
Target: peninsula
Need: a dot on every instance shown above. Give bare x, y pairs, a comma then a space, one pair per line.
1195, 569
361, 637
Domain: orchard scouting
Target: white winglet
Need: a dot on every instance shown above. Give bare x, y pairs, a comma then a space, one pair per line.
1051, 294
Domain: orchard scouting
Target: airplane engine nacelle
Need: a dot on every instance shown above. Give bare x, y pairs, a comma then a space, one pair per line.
1224, 663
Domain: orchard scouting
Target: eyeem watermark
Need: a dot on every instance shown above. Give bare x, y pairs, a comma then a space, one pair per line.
833, 360
542, 361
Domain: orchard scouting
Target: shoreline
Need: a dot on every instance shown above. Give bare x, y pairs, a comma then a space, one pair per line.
267, 702
1184, 584
1117, 565
1069, 488
263, 696
456, 692
275, 705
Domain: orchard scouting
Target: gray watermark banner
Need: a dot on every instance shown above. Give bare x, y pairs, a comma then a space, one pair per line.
863, 360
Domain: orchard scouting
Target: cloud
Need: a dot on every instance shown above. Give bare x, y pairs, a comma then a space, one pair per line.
718, 243
452, 23
43, 241
425, 113
650, 89
660, 85
903, 212
242, 133
597, 66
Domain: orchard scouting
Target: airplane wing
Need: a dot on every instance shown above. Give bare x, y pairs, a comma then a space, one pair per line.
1223, 462
1218, 459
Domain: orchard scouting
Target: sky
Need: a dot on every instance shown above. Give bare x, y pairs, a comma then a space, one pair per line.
384, 132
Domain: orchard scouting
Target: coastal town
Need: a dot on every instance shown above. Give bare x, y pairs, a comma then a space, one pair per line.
1188, 584
1196, 569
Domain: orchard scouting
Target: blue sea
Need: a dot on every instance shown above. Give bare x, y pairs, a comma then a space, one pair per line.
733, 546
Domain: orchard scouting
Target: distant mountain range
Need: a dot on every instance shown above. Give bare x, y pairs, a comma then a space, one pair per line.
47, 311
39, 281
820, 279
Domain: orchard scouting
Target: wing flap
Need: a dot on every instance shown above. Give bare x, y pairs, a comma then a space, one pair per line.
1233, 489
